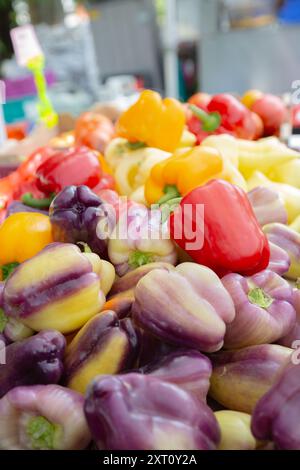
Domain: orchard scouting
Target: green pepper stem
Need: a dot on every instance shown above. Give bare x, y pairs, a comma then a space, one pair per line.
139, 258
7, 269
168, 207
170, 192
29, 200
84, 247
210, 121
42, 433
3, 320
258, 296
135, 145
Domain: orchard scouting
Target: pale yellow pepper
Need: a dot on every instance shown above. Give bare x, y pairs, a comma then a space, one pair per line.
289, 194
263, 155
235, 428
288, 173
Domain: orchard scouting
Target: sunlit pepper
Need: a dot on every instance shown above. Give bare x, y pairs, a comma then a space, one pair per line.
140, 238
105, 345
59, 288
263, 306
43, 417
22, 236
289, 240
235, 430
263, 155
77, 165
216, 226
153, 121
176, 176
242, 376
288, 173
268, 205
289, 194
276, 415
223, 114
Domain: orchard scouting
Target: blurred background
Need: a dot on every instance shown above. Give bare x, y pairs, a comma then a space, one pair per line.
105, 50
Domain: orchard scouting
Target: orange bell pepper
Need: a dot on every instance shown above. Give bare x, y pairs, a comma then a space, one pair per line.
178, 175
153, 121
23, 235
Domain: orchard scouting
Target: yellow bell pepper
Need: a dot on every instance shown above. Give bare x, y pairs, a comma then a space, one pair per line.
263, 155
134, 169
23, 235
153, 121
289, 194
178, 175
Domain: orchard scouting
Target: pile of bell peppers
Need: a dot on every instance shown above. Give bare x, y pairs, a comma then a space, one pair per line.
180, 286
48, 170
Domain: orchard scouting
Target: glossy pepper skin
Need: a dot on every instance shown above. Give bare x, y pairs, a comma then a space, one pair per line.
27, 170
268, 205
223, 114
288, 240
43, 417
263, 306
77, 165
130, 280
17, 206
77, 214
178, 175
36, 360
57, 288
105, 345
294, 334
153, 121
153, 415
140, 237
13, 186
23, 235
289, 194
280, 260
276, 415
235, 429
189, 369
234, 115
232, 238
241, 377
186, 306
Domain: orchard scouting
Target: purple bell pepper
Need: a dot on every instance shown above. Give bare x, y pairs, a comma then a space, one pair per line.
36, 360
140, 412
264, 309
79, 215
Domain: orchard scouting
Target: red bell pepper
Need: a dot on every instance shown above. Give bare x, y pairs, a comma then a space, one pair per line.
226, 236
27, 170
74, 166
224, 114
